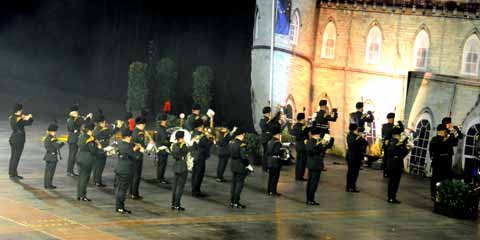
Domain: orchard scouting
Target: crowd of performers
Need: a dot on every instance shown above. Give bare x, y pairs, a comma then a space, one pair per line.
90, 141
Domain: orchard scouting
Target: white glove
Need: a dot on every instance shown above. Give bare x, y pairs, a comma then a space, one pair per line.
210, 113
182, 115
162, 148
249, 168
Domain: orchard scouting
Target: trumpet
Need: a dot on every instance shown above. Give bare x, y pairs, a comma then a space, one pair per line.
26, 117
456, 132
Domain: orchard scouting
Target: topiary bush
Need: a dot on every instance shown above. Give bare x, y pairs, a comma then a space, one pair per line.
202, 87
455, 198
166, 76
136, 93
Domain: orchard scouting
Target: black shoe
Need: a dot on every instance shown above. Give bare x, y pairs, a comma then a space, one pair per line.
238, 205
353, 190
232, 205
51, 187
173, 207
180, 209
385, 175
124, 211
301, 179
394, 201
219, 180
199, 195
72, 174
19, 177
137, 197
100, 185
163, 181
274, 194
85, 199
313, 203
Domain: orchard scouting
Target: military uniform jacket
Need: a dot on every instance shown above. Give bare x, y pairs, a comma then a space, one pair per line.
138, 136
274, 153
356, 147
323, 118
18, 128
52, 147
441, 151
300, 132
387, 132
103, 135
397, 151
360, 119
161, 137
222, 143
315, 153
126, 158
179, 152
238, 152
200, 148
265, 125
87, 148
73, 128
190, 120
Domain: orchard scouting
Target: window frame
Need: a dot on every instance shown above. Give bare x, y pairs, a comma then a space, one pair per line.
330, 30
469, 43
422, 41
370, 37
294, 31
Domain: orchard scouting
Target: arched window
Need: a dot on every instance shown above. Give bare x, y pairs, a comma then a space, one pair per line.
419, 152
374, 46
471, 52
257, 23
328, 41
470, 168
294, 28
420, 54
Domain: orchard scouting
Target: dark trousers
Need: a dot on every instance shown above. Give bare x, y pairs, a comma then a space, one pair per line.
83, 178
16, 153
50, 167
98, 167
394, 176
470, 173
439, 175
238, 180
352, 174
264, 156
122, 185
198, 172
178, 186
384, 162
312, 184
273, 177
161, 165
300, 165
72, 156
222, 165
136, 177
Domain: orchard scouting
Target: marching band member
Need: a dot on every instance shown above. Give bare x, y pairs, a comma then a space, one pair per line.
300, 132
138, 137
397, 151
240, 167
128, 154
441, 153
274, 160
179, 151
355, 154
88, 149
74, 124
189, 122
200, 152
102, 134
387, 136
223, 153
316, 147
162, 141
360, 118
52, 147
265, 135
17, 139
324, 116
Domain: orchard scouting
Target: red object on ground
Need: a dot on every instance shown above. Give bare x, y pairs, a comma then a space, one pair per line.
131, 124
167, 107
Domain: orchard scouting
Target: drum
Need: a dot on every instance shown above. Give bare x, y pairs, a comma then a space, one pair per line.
187, 135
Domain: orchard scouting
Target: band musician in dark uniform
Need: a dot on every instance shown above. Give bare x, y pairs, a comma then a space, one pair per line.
387, 136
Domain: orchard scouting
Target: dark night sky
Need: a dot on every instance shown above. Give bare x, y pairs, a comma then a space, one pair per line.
85, 46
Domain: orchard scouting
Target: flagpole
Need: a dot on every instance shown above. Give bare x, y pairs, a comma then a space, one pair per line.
272, 48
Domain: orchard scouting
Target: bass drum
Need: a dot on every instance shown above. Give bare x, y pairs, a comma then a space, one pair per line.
187, 135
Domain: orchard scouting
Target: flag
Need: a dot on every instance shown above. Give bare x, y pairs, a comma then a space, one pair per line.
283, 24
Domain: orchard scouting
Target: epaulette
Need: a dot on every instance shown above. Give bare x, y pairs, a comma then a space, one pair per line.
304, 127
53, 139
325, 115
181, 145
243, 145
17, 119
225, 134
358, 137
306, 141
90, 139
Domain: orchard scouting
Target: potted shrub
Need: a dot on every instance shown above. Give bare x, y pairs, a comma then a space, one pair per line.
253, 148
454, 198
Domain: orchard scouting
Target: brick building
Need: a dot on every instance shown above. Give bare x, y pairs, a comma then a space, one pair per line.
418, 59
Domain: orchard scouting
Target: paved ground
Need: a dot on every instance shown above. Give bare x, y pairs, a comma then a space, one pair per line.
27, 211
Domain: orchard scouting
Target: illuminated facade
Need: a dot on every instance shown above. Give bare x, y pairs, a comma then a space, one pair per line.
378, 52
